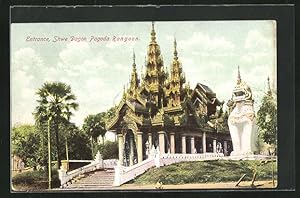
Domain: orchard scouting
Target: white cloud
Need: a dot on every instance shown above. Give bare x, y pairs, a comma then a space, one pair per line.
204, 42
97, 72
25, 65
75, 53
78, 58
122, 68
255, 40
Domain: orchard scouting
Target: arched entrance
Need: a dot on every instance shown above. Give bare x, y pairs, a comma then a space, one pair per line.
130, 152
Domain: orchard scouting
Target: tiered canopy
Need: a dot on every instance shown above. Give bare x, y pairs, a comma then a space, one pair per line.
163, 100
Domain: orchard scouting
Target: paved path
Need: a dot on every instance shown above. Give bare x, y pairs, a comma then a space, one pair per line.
222, 185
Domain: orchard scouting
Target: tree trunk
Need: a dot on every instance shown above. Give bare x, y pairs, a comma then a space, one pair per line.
57, 146
92, 147
67, 153
49, 157
67, 150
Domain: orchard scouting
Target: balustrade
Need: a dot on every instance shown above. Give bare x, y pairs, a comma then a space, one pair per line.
97, 164
125, 174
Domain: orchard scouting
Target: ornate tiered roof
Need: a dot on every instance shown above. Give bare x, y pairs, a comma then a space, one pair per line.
162, 99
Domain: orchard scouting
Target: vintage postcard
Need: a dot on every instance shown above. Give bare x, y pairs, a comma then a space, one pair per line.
144, 105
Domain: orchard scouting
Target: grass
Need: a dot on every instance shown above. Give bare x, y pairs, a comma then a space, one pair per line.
34, 180
207, 171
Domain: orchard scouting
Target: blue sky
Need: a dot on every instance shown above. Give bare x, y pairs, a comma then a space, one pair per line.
209, 51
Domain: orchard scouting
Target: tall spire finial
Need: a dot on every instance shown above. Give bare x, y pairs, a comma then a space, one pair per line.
133, 56
239, 76
124, 92
142, 72
153, 32
269, 87
175, 49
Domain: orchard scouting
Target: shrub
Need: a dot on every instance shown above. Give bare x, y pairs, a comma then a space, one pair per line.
37, 179
29, 177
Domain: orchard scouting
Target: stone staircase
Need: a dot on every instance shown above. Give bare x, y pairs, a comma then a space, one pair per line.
96, 180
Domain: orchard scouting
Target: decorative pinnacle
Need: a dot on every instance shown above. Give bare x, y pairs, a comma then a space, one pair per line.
142, 75
153, 32
175, 49
133, 56
124, 92
239, 76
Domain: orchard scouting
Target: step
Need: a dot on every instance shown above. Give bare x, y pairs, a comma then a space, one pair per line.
94, 180
91, 182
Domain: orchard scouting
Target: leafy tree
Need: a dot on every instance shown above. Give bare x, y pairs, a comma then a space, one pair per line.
56, 102
109, 150
110, 113
267, 120
93, 126
77, 142
25, 143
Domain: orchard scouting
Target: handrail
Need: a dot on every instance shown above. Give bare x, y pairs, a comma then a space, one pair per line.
97, 164
125, 174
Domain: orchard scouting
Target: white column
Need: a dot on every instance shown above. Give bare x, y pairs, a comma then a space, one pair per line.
204, 142
192, 145
150, 140
121, 148
214, 146
140, 146
131, 155
172, 142
225, 148
183, 144
161, 137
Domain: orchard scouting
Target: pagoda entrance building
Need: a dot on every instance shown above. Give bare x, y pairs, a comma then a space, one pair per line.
159, 109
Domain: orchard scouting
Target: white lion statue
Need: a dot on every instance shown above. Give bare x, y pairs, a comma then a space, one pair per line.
241, 120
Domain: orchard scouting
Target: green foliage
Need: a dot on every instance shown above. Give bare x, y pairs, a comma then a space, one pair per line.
56, 100
78, 143
94, 125
206, 171
267, 120
30, 144
109, 150
36, 179
56, 103
110, 113
25, 144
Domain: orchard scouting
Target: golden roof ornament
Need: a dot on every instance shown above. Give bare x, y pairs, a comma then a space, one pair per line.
153, 33
239, 80
124, 92
134, 65
142, 74
175, 49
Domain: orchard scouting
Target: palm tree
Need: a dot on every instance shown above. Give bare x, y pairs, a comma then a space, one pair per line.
56, 102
